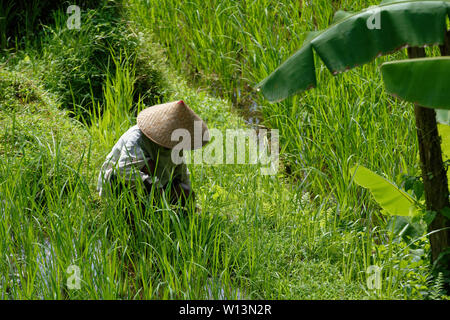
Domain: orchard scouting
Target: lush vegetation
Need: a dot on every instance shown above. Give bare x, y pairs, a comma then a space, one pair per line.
307, 232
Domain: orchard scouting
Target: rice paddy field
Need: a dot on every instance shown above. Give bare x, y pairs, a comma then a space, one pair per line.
306, 232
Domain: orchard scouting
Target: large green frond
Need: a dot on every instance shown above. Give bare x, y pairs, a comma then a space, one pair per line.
423, 81
358, 38
391, 198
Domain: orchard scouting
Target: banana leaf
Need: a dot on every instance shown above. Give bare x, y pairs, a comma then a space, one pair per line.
354, 39
424, 81
392, 199
406, 228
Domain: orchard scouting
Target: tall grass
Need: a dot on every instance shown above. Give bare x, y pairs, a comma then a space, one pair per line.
110, 121
266, 237
227, 47
51, 220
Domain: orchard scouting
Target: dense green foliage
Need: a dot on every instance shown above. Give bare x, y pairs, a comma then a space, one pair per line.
370, 33
310, 234
392, 199
21, 19
74, 63
433, 93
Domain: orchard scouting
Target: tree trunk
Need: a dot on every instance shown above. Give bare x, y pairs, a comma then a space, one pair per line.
433, 173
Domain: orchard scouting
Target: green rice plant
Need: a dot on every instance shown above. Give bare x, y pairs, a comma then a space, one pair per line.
318, 143
257, 237
112, 119
24, 19
244, 243
73, 63
260, 29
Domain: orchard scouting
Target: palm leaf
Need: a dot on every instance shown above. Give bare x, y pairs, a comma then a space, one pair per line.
422, 81
392, 199
349, 42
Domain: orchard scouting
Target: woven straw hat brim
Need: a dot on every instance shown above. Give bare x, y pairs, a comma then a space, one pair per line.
160, 121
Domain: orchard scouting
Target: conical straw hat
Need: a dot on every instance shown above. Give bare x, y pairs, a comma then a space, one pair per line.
160, 121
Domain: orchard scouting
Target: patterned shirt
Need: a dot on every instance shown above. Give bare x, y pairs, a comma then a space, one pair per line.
132, 153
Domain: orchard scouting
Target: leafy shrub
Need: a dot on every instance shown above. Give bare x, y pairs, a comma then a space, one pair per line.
20, 20
36, 140
74, 63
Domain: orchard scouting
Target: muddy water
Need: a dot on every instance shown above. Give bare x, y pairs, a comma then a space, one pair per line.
252, 115
247, 107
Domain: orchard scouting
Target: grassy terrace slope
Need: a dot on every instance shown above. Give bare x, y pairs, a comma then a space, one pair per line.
272, 241
310, 236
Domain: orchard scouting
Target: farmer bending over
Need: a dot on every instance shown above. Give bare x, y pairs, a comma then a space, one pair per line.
144, 152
